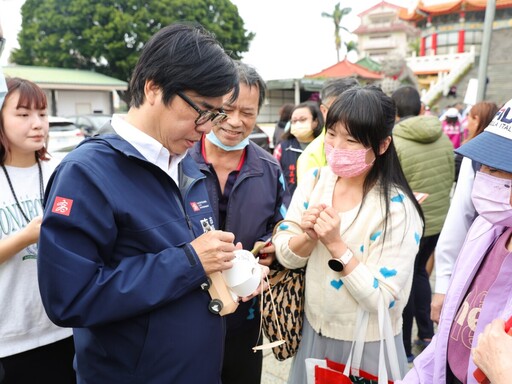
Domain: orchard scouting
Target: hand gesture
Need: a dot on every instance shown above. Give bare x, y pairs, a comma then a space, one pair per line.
267, 252
263, 285
327, 227
309, 218
215, 250
493, 353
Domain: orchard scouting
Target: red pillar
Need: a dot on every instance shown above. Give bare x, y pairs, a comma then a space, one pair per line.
460, 46
422, 46
434, 43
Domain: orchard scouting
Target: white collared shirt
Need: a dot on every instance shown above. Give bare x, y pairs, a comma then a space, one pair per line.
152, 150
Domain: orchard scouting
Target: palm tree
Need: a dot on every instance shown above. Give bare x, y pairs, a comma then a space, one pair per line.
337, 16
351, 46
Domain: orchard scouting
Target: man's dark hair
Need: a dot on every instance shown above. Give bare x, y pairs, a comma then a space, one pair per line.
183, 57
250, 77
334, 87
407, 101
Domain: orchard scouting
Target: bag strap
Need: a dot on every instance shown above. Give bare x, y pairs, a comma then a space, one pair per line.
356, 350
280, 340
273, 316
278, 224
386, 334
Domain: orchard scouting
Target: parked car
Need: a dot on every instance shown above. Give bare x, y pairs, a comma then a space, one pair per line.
90, 123
261, 138
63, 133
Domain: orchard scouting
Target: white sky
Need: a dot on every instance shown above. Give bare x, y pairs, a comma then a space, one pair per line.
292, 38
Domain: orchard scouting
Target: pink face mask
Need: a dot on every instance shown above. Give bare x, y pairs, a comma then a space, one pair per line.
491, 198
347, 162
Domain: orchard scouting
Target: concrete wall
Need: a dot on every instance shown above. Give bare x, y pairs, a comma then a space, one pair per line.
269, 112
79, 102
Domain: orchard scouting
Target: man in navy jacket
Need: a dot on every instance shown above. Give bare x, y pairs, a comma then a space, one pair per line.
125, 243
246, 188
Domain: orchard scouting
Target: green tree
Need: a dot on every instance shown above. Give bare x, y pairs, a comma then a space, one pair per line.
351, 46
337, 17
107, 35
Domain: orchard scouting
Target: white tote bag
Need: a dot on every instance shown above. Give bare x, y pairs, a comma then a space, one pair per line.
353, 364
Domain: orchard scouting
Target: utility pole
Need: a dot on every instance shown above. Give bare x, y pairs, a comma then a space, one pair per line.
490, 10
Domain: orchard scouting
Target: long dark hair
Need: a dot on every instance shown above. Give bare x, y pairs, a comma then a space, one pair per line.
31, 96
368, 114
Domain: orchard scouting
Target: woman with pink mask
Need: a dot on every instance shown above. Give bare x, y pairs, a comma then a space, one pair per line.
32, 348
356, 228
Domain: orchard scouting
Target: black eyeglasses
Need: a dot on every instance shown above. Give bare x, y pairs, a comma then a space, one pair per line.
204, 116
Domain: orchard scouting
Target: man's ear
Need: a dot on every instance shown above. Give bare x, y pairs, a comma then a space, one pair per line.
324, 111
152, 92
384, 145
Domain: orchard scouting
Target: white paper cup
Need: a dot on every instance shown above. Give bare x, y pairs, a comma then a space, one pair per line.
245, 275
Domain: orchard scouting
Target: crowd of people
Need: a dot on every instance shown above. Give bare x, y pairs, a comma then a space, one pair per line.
106, 257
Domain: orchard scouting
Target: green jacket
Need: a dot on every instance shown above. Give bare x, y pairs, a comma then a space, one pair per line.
427, 159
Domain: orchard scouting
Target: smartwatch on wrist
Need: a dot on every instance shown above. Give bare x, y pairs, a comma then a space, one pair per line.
338, 264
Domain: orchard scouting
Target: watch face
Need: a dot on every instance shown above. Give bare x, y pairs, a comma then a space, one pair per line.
336, 265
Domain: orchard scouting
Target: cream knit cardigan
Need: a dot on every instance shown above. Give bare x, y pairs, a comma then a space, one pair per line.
386, 264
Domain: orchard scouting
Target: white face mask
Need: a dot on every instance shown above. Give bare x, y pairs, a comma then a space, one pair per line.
215, 140
491, 198
302, 131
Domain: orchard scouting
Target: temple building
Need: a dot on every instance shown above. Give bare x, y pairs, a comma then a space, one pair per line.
455, 26
449, 48
382, 33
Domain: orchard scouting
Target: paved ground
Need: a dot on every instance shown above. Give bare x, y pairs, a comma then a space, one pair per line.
274, 371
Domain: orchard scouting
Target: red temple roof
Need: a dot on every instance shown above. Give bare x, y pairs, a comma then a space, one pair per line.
346, 69
448, 7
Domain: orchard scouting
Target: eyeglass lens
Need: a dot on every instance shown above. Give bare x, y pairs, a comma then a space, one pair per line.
204, 116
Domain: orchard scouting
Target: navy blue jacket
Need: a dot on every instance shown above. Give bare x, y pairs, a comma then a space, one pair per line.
290, 152
257, 202
115, 263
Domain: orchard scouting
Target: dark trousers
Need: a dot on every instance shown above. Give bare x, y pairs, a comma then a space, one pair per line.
52, 363
420, 299
241, 364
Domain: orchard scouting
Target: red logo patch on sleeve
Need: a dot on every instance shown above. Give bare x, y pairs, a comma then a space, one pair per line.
62, 206
195, 207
